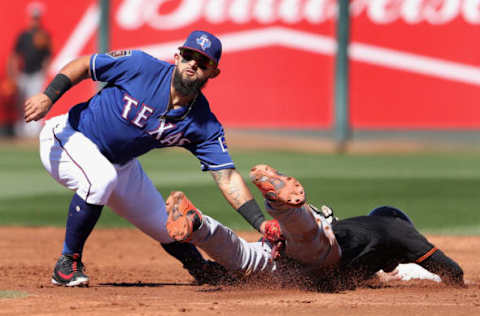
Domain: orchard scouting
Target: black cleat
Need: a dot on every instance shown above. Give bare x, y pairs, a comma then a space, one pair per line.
69, 271
326, 212
211, 273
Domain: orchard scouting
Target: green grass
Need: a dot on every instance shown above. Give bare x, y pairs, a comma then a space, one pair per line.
440, 191
12, 294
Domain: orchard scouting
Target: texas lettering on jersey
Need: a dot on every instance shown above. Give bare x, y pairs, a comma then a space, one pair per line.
130, 115
143, 114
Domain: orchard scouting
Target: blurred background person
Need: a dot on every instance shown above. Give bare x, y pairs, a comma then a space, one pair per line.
28, 63
8, 107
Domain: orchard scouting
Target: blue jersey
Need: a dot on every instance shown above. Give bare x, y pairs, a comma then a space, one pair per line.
129, 117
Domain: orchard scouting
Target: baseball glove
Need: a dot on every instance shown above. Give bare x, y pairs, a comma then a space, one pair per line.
273, 234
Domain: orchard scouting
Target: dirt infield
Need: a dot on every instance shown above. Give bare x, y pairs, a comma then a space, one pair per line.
131, 275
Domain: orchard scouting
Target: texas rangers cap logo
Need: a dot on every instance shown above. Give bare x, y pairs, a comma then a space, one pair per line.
204, 42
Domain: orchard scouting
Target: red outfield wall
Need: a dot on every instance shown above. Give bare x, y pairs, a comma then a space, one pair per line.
414, 63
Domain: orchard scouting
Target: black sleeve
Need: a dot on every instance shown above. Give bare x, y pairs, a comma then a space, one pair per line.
448, 270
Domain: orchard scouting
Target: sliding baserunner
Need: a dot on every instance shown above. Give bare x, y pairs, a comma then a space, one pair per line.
331, 256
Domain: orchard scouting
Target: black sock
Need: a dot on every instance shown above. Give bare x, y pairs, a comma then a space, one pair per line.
186, 253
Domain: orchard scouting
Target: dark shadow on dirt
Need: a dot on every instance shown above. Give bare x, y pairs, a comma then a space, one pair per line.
141, 284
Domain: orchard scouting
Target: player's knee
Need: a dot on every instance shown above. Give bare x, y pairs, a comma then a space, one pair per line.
103, 184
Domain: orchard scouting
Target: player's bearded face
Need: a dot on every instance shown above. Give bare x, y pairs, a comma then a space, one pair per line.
186, 86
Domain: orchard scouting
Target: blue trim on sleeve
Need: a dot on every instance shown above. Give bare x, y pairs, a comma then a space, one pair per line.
92, 67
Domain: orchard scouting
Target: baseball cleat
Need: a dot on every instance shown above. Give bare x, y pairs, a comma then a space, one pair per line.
212, 273
324, 211
183, 217
68, 271
277, 188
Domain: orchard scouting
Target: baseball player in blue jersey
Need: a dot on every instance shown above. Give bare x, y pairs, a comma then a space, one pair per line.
146, 104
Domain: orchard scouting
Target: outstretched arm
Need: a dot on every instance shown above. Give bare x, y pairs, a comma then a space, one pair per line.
236, 192
231, 183
448, 270
38, 106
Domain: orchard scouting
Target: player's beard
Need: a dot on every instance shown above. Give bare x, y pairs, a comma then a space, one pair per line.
187, 87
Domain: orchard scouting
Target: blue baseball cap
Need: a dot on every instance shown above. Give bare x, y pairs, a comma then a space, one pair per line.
205, 43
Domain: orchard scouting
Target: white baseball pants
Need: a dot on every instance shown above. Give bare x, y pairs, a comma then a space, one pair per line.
75, 162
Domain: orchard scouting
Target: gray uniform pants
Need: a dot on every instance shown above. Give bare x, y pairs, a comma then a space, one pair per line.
309, 239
